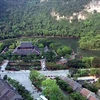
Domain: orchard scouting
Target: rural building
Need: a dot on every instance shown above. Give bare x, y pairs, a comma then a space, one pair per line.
78, 87
88, 94
75, 85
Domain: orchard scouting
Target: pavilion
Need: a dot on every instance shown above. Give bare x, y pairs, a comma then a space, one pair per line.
26, 48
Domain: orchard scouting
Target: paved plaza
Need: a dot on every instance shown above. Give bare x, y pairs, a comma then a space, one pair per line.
23, 78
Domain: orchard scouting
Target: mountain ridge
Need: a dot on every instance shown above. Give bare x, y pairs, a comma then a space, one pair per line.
34, 17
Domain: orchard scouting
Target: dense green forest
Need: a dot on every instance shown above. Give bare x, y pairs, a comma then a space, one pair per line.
33, 18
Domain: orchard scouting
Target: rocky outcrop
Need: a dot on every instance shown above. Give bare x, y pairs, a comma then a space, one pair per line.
93, 6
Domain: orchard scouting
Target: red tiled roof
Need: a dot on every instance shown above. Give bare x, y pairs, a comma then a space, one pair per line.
85, 92
92, 98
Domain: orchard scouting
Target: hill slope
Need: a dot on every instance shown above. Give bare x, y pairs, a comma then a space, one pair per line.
34, 17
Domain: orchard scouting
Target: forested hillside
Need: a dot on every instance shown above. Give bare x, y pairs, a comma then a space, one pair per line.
33, 17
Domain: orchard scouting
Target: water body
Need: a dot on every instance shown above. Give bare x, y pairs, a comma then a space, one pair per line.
73, 43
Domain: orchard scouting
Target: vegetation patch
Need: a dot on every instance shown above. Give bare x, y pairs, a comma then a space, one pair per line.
21, 89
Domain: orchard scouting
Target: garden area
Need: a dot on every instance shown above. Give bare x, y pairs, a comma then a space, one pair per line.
73, 95
50, 50
86, 72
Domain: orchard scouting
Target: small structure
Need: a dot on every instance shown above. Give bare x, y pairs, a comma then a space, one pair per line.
7, 92
88, 94
26, 48
93, 98
75, 85
78, 87
62, 61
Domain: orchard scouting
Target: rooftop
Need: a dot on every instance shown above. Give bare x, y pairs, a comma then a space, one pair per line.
92, 98
7, 92
75, 85
85, 92
88, 94
26, 44
26, 48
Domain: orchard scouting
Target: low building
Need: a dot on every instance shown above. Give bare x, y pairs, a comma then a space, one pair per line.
7, 92
26, 48
75, 85
88, 94
92, 98
78, 87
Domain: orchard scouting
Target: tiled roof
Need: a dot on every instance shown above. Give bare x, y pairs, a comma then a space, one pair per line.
26, 52
7, 92
75, 85
37, 49
85, 92
88, 94
10, 94
92, 98
2, 89
72, 83
27, 49
68, 80
26, 44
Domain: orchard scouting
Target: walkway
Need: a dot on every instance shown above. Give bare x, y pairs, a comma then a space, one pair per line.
23, 78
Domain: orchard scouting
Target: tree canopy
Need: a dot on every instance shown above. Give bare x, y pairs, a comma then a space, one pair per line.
33, 18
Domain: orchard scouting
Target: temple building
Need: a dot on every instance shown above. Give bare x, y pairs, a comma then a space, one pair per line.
7, 92
26, 48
